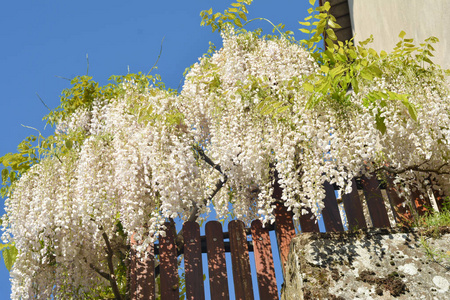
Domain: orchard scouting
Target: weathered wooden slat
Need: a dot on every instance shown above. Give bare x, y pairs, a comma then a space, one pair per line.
218, 279
344, 34
330, 212
308, 222
340, 9
353, 209
400, 207
168, 265
421, 202
193, 261
265, 270
142, 277
240, 260
284, 230
375, 202
344, 22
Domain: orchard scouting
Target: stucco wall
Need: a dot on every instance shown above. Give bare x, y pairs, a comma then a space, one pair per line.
420, 19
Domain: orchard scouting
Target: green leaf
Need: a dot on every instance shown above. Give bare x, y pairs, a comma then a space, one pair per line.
380, 123
333, 24
327, 6
402, 34
242, 15
352, 53
282, 109
375, 71
412, 112
324, 69
305, 23
426, 59
331, 34
238, 22
308, 86
366, 74
329, 43
355, 85
304, 30
5, 175
338, 70
312, 2
9, 256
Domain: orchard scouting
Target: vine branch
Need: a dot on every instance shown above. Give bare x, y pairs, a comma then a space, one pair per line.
179, 240
112, 276
417, 168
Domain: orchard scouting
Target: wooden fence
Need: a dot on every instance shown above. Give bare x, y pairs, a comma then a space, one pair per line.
363, 205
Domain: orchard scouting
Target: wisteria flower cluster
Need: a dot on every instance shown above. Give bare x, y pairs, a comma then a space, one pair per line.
242, 117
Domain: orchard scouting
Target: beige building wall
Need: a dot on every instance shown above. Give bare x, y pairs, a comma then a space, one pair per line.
420, 19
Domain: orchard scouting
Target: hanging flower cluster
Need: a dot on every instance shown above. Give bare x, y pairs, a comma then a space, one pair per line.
133, 168
243, 116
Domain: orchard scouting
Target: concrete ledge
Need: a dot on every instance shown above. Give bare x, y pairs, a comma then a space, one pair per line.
369, 264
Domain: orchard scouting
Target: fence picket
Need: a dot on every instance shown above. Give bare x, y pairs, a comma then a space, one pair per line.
218, 279
193, 261
265, 269
375, 202
240, 259
308, 222
400, 207
423, 204
353, 208
330, 212
168, 264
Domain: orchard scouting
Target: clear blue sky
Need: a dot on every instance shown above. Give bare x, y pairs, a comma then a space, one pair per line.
41, 40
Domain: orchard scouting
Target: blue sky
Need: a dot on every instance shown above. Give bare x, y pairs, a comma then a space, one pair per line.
44, 40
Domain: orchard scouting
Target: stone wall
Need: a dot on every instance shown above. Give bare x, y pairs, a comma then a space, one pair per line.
369, 264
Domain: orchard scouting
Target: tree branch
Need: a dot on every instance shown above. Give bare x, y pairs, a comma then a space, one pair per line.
99, 272
179, 240
416, 168
112, 276
208, 160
